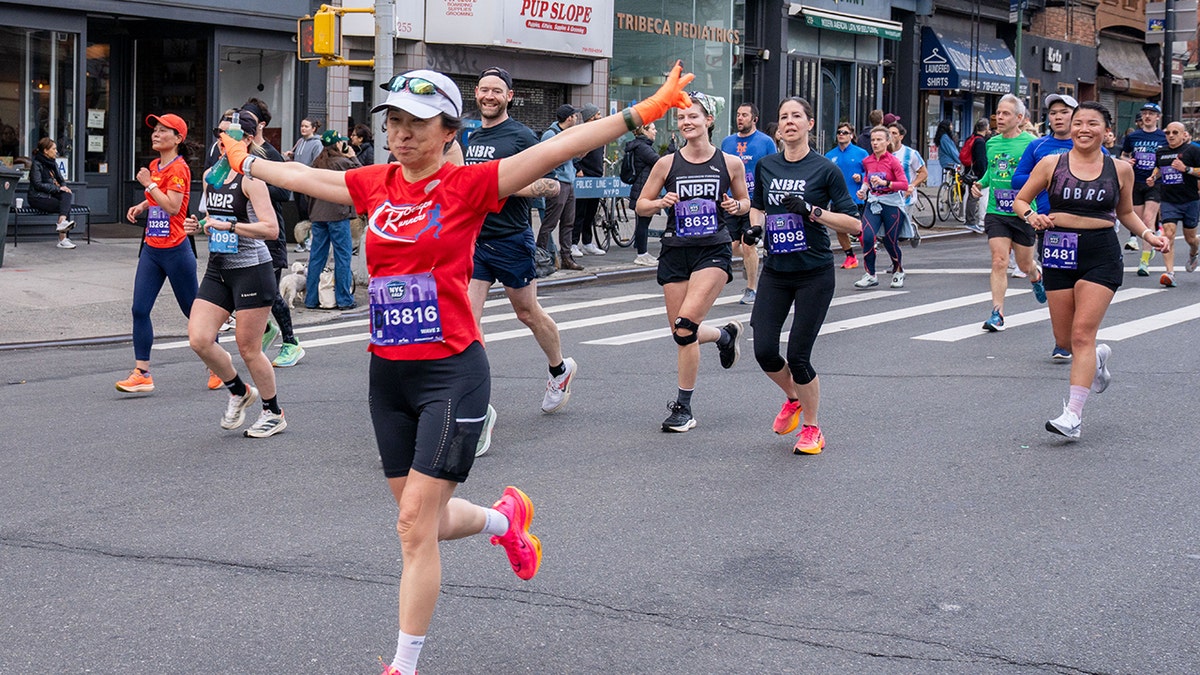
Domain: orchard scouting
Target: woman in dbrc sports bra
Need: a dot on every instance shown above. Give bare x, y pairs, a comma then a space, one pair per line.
1080, 253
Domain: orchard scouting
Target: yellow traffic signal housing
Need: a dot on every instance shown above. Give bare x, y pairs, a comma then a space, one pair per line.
327, 34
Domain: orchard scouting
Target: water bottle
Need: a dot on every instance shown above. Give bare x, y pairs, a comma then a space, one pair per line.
220, 171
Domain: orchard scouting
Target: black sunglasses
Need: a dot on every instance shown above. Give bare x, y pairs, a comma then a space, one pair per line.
843, 132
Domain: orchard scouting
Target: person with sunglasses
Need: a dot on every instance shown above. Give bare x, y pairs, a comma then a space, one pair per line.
1176, 166
696, 259
429, 380
801, 196
848, 157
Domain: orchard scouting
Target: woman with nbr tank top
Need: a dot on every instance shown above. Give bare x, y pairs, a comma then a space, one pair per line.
1081, 257
695, 262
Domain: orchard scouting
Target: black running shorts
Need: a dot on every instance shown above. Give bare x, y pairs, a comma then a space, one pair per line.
1009, 227
1098, 261
677, 263
1143, 193
428, 414
239, 288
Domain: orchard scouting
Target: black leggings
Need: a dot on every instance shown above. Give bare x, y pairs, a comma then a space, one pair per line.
809, 294
641, 234
887, 222
279, 310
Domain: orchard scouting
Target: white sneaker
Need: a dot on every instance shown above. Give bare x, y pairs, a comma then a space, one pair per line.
235, 409
229, 324
576, 252
898, 280
1132, 244
1018, 274
558, 389
867, 281
65, 226
267, 424
645, 260
593, 249
66, 243
1103, 377
485, 435
1067, 424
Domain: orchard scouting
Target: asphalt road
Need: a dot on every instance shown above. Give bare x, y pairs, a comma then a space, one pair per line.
943, 530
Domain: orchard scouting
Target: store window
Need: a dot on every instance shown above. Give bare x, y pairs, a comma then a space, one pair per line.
268, 75
37, 89
170, 77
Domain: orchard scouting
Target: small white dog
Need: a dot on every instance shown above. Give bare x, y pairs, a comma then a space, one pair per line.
293, 285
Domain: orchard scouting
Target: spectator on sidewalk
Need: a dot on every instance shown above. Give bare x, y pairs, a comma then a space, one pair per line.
591, 165
644, 157
48, 190
331, 227
560, 209
363, 141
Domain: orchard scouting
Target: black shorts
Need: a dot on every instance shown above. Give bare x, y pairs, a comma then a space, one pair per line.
1143, 193
239, 288
506, 259
1098, 259
677, 263
1009, 227
737, 225
428, 414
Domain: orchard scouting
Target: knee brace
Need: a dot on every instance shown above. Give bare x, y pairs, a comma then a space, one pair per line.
802, 373
684, 323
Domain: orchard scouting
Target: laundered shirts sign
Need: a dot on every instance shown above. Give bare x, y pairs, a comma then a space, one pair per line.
565, 26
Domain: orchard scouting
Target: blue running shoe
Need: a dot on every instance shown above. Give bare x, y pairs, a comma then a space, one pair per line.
1060, 354
995, 322
1039, 291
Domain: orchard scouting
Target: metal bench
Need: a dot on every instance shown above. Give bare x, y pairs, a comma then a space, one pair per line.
29, 217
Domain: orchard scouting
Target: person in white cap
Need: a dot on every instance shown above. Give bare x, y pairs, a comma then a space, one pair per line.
429, 376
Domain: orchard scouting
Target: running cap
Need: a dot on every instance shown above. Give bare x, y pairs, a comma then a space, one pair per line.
331, 136
1152, 107
170, 121
1065, 98
501, 73
889, 118
423, 93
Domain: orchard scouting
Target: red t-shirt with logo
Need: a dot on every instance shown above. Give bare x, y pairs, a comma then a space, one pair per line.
175, 176
429, 225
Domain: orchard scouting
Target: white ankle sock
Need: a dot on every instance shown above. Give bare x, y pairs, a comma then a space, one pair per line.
408, 650
496, 523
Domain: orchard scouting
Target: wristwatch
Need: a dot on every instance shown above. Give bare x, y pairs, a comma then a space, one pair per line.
816, 213
1025, 216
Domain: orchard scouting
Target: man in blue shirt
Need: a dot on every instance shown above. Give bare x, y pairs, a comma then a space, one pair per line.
750, 145
560, 209
849, 159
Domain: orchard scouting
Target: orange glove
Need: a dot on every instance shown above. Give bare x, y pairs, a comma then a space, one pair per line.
670, 95
235, 151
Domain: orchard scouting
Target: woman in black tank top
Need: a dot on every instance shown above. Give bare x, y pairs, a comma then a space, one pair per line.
1080, 252
695, 262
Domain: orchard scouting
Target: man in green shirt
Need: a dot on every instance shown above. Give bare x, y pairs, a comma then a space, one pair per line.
1005, 230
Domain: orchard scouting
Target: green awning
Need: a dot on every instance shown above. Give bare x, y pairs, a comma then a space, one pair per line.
845, 23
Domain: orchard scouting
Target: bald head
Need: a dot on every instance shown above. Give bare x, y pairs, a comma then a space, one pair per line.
1177, 134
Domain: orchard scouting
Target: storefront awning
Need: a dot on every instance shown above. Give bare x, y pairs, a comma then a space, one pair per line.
1127, 61
955, 61
847, 23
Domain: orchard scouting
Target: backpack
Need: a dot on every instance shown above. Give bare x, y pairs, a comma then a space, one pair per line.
628, 170
964, 155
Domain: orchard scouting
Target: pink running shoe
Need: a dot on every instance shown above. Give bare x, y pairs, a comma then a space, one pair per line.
524, 550
810, 441
788, 418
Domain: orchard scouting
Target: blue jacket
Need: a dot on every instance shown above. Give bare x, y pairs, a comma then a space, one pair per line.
565, 172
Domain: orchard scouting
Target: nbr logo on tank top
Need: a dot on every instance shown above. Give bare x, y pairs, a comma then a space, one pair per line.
692, 187
782, 187
220, 200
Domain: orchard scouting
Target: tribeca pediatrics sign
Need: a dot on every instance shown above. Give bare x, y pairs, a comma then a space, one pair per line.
578, 27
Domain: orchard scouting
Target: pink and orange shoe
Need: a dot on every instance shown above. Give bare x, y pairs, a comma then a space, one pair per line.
214, 382
137, 382
810, 441
788, 418
524, 550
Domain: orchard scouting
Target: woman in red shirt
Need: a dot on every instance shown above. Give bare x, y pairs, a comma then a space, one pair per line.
166, 253
883, 211
429, 376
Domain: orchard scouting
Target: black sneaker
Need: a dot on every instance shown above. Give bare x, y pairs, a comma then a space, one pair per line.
730, 352
680, 419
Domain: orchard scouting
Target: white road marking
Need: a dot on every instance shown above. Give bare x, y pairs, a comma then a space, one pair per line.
1137, 327
910, 312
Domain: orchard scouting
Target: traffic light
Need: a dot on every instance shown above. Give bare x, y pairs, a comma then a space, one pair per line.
319, 37
304, 40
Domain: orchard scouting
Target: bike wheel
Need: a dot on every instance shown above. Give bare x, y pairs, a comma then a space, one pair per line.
944, 202
923, 213
603, 226
958, 206
625, 224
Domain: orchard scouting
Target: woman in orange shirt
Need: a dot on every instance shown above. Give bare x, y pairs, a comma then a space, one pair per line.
166, 253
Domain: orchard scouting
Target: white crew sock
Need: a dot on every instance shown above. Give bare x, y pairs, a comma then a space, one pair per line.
408, 650
495, 523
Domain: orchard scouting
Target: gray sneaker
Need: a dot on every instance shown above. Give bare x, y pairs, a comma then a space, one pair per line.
748, 297
485, 435
235, 410
1103, 377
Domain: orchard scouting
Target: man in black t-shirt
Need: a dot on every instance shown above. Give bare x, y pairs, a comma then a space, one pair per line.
505, 249
1175, 171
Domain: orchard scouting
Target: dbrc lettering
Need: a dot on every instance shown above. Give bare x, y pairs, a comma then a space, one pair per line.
1089, 195
218, 200
788, 185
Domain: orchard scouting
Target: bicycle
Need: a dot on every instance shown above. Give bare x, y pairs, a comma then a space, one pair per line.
613, 223
951, 196
922, 211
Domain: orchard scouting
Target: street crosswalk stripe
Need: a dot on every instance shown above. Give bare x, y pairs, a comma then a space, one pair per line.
599, 320
1137, 327
910, 312
658, 333
1013, 320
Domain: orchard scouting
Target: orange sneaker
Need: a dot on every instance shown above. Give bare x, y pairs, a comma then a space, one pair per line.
136, 382
524, 550
214, 382
810, 441
788, 418
851, 263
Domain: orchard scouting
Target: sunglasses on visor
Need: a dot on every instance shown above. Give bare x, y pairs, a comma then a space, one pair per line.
419, 86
